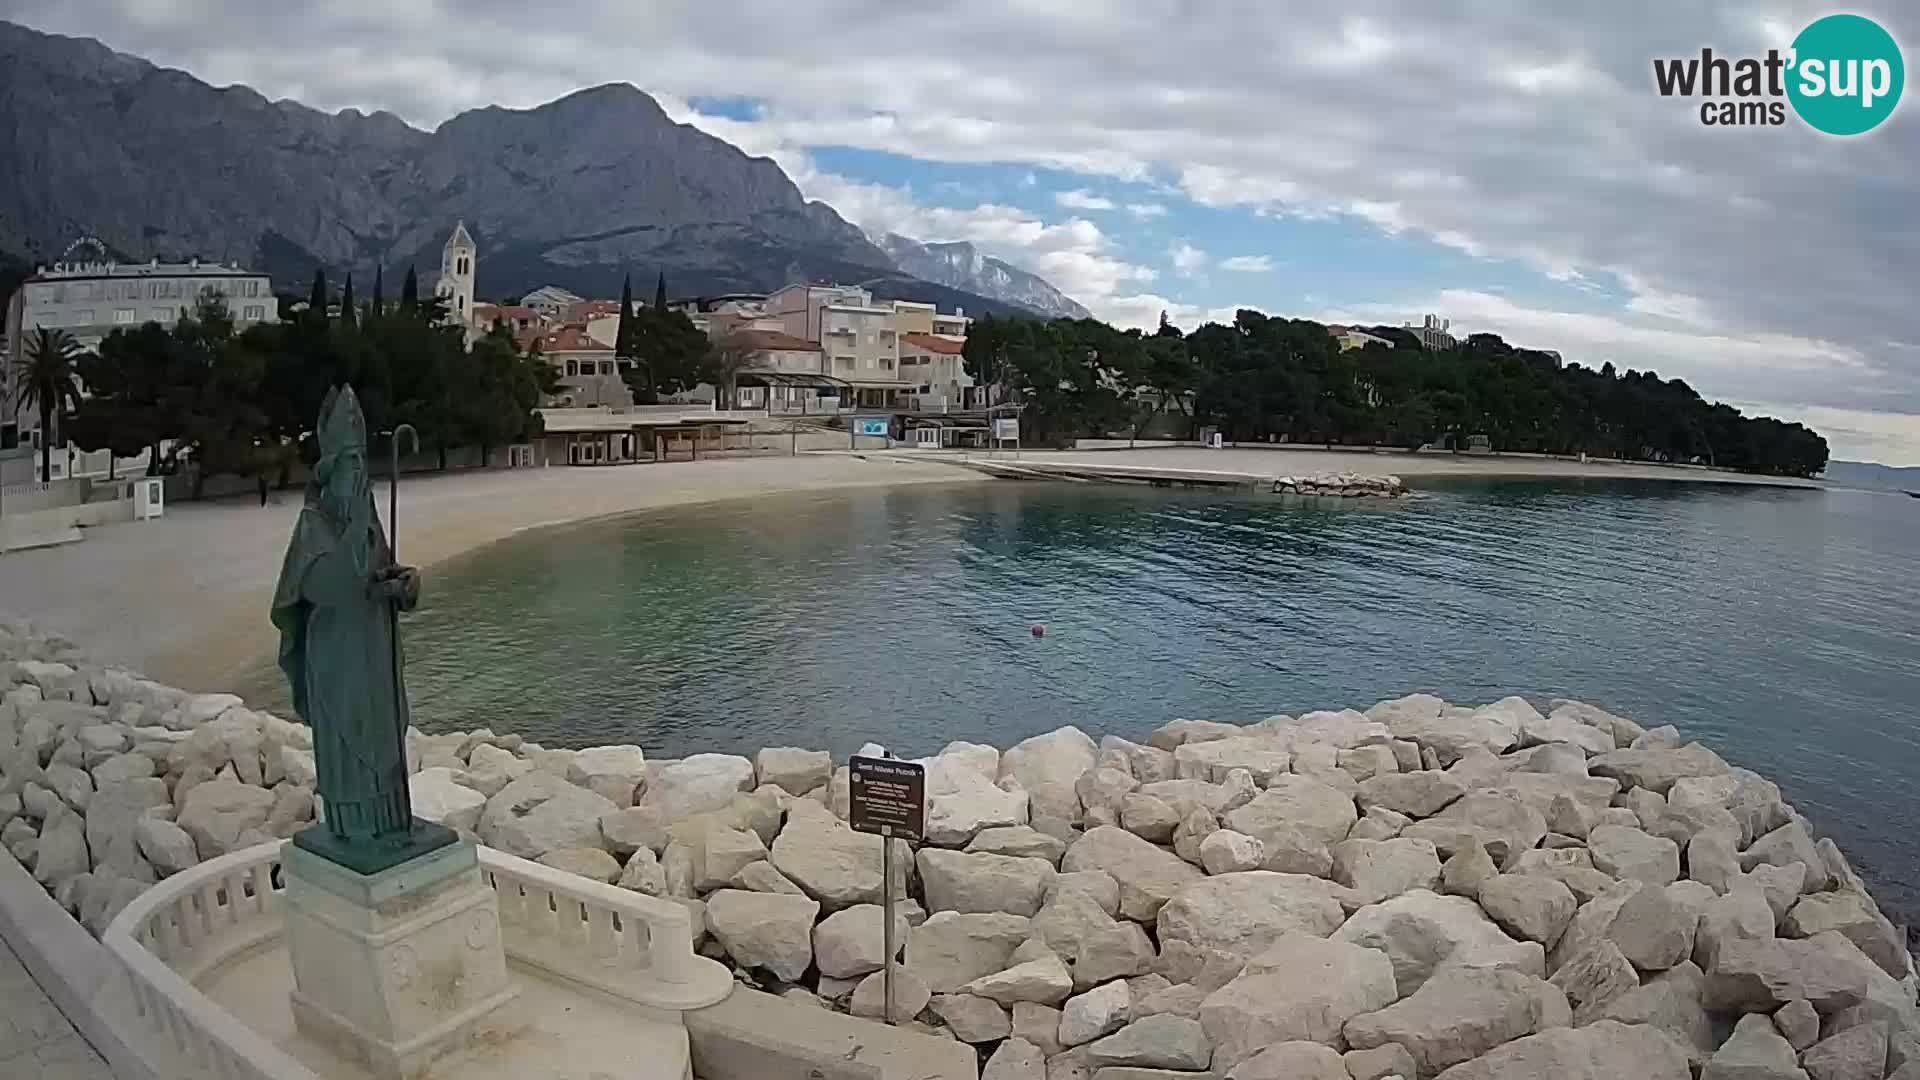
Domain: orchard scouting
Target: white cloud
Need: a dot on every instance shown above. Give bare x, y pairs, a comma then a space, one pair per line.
1247, 264
1566, 161
1186, 258
1144, 211
1082, 199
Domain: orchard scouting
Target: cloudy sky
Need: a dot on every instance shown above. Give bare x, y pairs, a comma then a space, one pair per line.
1509, 167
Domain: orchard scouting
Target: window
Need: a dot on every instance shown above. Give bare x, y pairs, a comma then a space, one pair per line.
159, 314
460, 302
84, 316
886, 363
124, 316
573, 368
844, 363
256, 312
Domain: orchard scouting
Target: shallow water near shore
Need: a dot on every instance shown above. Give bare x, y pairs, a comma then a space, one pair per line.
1775, 625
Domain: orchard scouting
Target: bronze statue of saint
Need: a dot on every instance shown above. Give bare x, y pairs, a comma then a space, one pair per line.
337, 609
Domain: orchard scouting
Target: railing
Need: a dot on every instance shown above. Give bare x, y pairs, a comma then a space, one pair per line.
635, 947
628, 944
193, 921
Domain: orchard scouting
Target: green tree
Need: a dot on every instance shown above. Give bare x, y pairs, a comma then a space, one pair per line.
660, 292
410, 291
670, 355
379, 306
726, 359
623, 348
46, 380
317, 296
348, 315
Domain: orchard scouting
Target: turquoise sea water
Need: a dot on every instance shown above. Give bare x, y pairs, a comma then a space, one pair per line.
1775, 625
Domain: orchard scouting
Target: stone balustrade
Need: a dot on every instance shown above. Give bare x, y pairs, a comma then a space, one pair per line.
635, 947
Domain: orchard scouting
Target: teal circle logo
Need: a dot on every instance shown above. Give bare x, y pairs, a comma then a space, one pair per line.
1846, 74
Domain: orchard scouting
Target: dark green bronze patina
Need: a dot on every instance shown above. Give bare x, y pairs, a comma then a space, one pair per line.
337, 608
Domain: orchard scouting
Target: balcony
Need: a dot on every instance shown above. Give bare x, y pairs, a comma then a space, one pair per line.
603, 975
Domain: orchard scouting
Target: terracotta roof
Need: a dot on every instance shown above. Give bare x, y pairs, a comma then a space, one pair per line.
585, 308
771, 341
570, 339
932, 344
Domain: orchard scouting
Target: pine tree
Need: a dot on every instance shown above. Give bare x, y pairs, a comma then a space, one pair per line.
347, 313
379, 306
660, 292
410, 291
317, 296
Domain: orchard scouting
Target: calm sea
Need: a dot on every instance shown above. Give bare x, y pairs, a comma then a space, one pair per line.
1775, 625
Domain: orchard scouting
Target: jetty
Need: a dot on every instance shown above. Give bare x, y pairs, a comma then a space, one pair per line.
1337, 485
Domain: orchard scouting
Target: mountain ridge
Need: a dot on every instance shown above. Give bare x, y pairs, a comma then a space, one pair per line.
158, 163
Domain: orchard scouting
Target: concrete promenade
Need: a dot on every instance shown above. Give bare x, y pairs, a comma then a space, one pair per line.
35, 1039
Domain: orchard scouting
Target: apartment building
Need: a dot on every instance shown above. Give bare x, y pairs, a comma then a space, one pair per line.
91, 300
858, 341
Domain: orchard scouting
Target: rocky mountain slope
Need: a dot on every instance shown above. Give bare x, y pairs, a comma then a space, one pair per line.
575, 192
960, 265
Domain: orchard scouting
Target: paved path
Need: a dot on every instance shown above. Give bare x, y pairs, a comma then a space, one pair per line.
185, 598
35, 1040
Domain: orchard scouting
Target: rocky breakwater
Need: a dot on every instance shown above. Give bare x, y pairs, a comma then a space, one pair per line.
1341, 485
1416, 890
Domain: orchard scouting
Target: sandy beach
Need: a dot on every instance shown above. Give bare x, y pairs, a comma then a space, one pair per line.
184, 599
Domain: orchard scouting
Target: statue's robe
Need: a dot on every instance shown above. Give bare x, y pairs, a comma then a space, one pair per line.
340, 651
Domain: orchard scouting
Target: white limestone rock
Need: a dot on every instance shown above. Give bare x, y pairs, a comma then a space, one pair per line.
1467, 871
1653, 931
1789, 843
490, 768
1760, 975
951, 949
1533, 908
1148, 876
1045, 980
644, 874
1263, 758
959, 881
1157, 1042
834, 864
963, 800
1379, 1063
1242, 914
1174, 734
219, 812
111, 816
910, 995
1500, 822
1296, 802
1148, 818
1606, 1050
1047, 767
1105, 787
1415, 794
695, 785
851, 942
1193, 832
1227, 852
1100, 1011
1117, 951
165, 845
1459, 1014
590, 863
1852, 914
438, 797
1420, 931
1068, 918
62, 849
762, 877
1657, 769
1631, 853
1754, 1052
1798, 1024
1301, 988
1020, 841
972, 1019
539, 812
1293, 1061
792, 769
1378, 869
765, 930
1671, 1001
631, 828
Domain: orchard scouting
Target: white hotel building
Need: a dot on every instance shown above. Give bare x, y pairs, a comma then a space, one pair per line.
90, 300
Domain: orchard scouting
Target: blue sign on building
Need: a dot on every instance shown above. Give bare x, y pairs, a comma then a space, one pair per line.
871, 425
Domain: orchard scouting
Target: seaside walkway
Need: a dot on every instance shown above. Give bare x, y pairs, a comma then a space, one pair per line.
35, 1039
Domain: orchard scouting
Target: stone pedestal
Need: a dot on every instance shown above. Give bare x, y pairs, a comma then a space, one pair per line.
398, 968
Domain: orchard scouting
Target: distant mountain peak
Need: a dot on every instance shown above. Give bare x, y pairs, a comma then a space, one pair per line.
957, 263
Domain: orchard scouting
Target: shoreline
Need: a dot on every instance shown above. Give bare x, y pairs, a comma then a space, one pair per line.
1538, 880
183, 599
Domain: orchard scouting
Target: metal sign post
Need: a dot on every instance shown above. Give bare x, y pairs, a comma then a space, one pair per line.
887, 798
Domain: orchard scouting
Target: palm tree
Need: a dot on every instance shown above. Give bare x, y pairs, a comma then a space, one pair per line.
45, 379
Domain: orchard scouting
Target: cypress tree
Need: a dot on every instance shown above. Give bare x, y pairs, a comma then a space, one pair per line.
410, 291
660, 292
347, 313
379, 291
317, 296
623, 331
